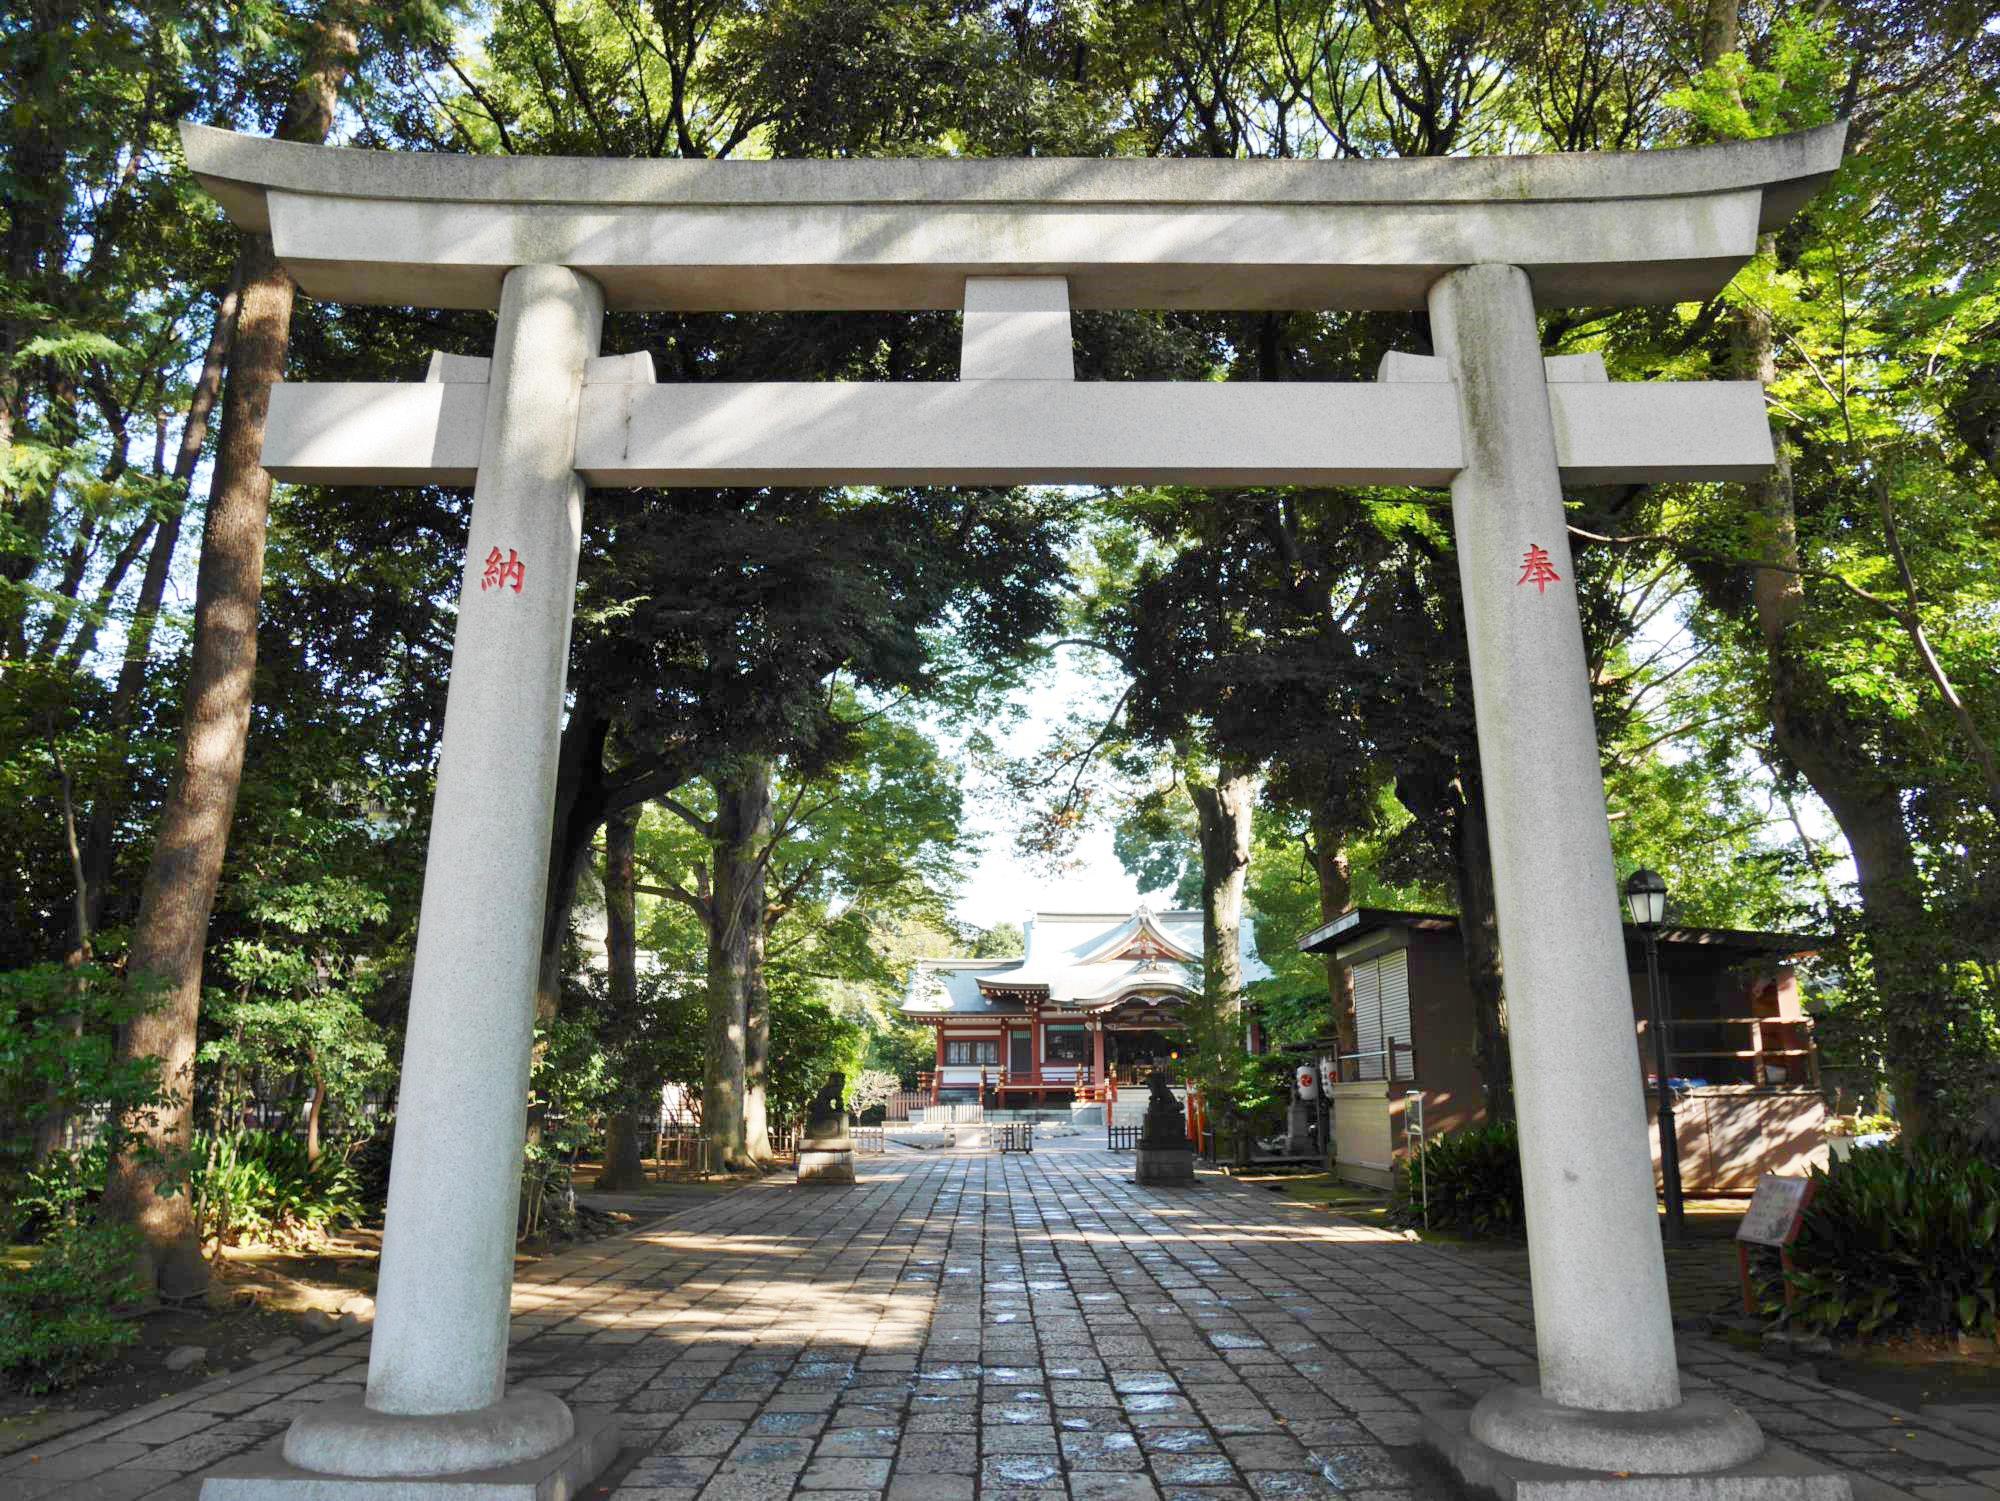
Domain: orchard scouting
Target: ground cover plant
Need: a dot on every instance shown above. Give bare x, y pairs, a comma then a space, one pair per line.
1469, 1182
266, 1186
1902, 1239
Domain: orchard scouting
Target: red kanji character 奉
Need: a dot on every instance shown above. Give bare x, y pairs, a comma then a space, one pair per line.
1535, 570
501, 572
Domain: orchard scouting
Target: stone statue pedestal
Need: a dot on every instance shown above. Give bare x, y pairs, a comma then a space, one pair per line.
826, 1162
1298, 1128
826, 1151
1162, 1164
1163, 1155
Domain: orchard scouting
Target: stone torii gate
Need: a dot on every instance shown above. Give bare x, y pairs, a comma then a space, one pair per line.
1481, 243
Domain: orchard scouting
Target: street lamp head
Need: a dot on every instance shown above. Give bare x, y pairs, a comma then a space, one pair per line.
1646, 899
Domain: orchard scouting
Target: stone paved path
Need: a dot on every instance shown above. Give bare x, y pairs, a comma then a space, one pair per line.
1012, 1329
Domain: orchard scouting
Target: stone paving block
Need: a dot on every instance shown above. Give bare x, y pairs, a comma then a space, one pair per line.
1290, 1485
701, 1438
845, 1474
675, 1470
931, 1487
167, 1427
1107, 1486
1195, 1469
115, 1485
1101, 1451
1019, 1441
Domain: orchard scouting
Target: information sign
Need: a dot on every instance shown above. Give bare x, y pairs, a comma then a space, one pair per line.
1777, 1210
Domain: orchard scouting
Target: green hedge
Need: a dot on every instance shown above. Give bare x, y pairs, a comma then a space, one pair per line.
1473, 1179
1902, 1240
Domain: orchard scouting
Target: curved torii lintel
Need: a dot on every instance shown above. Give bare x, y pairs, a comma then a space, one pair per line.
440, 230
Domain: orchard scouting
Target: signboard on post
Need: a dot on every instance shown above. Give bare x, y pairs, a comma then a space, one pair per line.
1413, 1143
1776, 1214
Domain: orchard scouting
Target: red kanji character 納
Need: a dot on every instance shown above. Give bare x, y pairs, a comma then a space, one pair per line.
500, 572
1535, 570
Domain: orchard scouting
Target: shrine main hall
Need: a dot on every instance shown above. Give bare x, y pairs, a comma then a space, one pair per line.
1091, 1006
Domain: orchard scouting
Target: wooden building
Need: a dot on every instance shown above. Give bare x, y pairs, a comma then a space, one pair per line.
1743, 1064
1094, 1003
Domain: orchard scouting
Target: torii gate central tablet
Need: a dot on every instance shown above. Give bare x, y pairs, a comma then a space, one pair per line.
1480, 243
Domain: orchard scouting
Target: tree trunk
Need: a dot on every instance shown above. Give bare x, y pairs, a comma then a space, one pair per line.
735, 958
179, 891
757, 1053
624, 1166
1479, 938
1222, 821
579, 812
312, 1117
1336, 895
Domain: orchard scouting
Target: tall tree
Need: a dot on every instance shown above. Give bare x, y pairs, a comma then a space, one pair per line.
179, 892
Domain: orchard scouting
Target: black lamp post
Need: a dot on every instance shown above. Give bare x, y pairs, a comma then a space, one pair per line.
1646, 899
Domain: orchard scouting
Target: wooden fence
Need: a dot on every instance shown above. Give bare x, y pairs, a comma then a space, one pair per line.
955, 1115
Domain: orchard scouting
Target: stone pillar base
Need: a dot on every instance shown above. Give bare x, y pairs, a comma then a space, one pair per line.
1774, 1474
1163, 1165
565, 1473
826, 1167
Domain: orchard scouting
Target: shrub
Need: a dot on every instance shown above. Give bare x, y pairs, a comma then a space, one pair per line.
57, 1320
1902, 1240
1473, 1179
260, 1185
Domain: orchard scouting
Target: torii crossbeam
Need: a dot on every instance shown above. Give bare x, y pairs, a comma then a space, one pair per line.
1480, 243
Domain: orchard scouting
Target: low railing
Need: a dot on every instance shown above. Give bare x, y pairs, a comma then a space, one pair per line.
955, 1115
1121, 1138
1016, 1136
870, 1139
678, 1146
1397, 1061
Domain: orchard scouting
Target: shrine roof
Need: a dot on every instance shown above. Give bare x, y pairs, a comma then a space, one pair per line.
441, 229
1077, 961
1740, 943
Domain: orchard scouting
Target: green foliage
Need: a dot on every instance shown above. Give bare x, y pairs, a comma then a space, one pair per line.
809, 1040
1902, 1239
904, 1052
57, 1311
1735, 99
260, 1186
1473, 1182
1244, 1094
299, 1004
57, 1025
573, 1082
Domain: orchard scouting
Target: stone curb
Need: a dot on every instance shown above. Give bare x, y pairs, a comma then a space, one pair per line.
110, 1427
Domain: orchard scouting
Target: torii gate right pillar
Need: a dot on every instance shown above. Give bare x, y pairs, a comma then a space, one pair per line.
1610, 1397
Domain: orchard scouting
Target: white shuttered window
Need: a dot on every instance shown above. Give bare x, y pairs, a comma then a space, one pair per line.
1382, 1016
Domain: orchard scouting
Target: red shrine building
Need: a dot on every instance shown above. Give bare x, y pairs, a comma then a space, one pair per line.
1093, 1004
